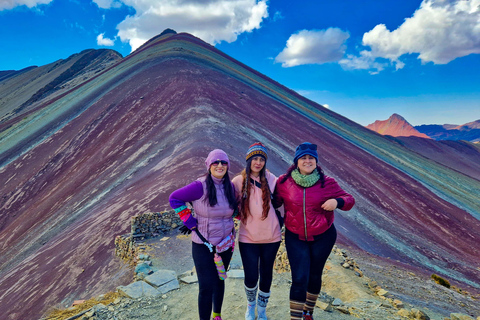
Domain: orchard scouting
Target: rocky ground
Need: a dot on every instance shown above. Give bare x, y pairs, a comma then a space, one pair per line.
354, 287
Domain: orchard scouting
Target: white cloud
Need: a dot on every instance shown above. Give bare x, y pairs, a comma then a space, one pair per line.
10, 4
211, 20
107, 4
439, 32
313, 47
101, 41
366, 61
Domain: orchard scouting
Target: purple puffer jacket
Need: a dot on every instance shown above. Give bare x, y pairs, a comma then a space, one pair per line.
303, 213
214, 223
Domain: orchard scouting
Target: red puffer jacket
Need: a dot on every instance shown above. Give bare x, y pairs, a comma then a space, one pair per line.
303, 213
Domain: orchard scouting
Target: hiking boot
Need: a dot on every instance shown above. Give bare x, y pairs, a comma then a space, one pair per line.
251, 302
262, 304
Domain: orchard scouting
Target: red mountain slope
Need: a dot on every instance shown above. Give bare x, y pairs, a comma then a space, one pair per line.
395, 126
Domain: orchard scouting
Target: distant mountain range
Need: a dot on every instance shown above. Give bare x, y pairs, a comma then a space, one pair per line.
397, 126
468, 132
90, 141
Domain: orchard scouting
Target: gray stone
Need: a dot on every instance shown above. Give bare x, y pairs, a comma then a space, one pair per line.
143, 256
99, 307
143, 268
161, 277
337, 302
138, 289
189, 279
172, 285
460, 316
236, 274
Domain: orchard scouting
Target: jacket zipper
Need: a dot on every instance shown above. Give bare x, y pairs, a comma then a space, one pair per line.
304, 215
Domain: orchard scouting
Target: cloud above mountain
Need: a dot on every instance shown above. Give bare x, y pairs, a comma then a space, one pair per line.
313, 47
10, 4
101, 41
439, 32
213, 21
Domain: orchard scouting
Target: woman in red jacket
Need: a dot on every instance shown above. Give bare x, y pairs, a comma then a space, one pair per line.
309, 198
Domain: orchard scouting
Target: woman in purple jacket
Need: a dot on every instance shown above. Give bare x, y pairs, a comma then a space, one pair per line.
309, 198
213, 200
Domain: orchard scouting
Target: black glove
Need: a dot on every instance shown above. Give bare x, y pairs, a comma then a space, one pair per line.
185, 230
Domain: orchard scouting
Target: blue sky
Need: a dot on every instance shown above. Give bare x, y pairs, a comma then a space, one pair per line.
364, 59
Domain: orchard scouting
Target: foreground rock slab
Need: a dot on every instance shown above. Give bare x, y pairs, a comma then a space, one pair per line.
138, 289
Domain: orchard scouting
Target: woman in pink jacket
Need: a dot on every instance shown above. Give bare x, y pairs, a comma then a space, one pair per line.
309, 198
260, 231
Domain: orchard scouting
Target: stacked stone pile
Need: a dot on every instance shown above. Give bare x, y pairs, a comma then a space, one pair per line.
144, 226
152, 224
125, 247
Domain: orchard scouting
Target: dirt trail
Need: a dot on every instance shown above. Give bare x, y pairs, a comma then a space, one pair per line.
352, 292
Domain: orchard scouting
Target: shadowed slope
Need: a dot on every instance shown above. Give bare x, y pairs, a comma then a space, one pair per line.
22, 89
119, 143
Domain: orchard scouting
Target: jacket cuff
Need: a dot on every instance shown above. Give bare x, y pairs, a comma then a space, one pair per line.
340, 203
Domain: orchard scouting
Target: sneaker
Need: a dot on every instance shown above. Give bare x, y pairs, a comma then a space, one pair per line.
217, 318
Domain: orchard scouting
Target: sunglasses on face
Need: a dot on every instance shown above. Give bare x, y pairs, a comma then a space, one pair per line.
216, 163
308, 146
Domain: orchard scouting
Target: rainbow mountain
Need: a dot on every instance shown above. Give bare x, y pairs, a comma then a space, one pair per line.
90, 141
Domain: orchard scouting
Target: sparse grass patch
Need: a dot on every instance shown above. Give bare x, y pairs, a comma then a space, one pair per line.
440, 281
62, 314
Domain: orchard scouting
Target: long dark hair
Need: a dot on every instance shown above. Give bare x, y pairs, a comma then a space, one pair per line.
245, 200
294, 166
211, 196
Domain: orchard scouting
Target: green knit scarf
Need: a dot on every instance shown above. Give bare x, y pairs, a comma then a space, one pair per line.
305, 180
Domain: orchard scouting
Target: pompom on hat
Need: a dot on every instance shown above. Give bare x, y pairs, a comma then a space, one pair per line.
257, 149
216, 155
304, 149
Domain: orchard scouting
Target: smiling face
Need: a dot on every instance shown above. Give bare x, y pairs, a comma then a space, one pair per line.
306, 164
218, 169
257, 165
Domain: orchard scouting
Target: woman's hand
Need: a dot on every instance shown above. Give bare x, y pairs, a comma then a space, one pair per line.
330, 205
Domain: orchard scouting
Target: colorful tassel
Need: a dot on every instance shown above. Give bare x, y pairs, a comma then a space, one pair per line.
222, 274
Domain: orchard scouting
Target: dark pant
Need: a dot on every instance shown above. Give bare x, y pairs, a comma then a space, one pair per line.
307, 259
255, 257
211, 288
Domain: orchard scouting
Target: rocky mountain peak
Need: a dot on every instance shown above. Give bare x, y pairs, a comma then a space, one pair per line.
396, 126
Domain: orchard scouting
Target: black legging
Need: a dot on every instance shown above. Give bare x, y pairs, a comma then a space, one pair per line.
257, 256
211, 288
307, 259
